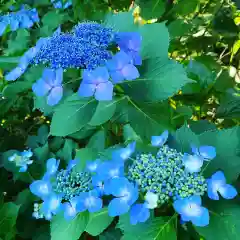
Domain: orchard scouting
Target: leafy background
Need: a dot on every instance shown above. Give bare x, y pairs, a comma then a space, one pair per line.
197, 37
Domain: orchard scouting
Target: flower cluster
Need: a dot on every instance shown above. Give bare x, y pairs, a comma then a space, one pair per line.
61, 3
22, 19
22, 160
147, 182
86, 47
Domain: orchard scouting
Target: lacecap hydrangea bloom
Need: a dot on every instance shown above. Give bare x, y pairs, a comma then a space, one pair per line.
145, 183
24, 18
87, 47
22, 160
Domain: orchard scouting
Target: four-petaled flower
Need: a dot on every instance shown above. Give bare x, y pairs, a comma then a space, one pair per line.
96, 83
121, 68
217, 184
89, 201
124, 153
126, 194
206, 152
192, 163
51, 84
130, 42
41, 188
70, 208
158, 141
190, 209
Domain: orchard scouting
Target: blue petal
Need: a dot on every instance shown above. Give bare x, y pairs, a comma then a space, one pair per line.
98, 185
69, 211
92, 166
117, 207
55, 96
201, 220
52, 204
192, 163
41, 188
208, 152
219, 176
27, 153
26, 22
96, 205
14, 74
41, 88
3, 27
124, 153
23, 168
59, 77
139, 213
195, 199
104, 91
98, 75
117, 77
72, 164
158, 141
228, 191
49, 76
179, 205
86, 90
137, 59
130, 72
121, 59
52, 166
14, 25
211, 191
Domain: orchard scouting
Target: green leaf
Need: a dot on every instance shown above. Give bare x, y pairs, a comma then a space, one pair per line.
129, 134
159, 80
111, 234
85, 154
62, 229
42, 153
19, 43
226, 143
103, 113
121, 22
8, 213
11, 90
72, 116
178, 28
40, 103
66, 153
97, 141
224, 221
98, 222
25, 199
154, 229
151, 46
185, 7
151, 8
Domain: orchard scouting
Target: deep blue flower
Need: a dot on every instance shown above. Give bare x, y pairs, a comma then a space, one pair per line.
124, 153
206, 152
130, 42
70, 208
94, 33
126, 194
190, 209
96, 83
89, 201
139, 213
217, 185
192, 163
41, 188
51, 205
52, 166
92, 166
50, 84
121, 68
158, 141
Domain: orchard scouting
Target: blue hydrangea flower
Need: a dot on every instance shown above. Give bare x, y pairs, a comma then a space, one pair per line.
126, 194
41, 188
130, 42
22, 160
190, 209
50, 84
52, 166
70, 209
94, 33
206, 152
121, 68
72, 164
192, 163
98, 185
124, 153
92, 166
139, 213
89, 201
151, 200
96, 83
217, 185
158, 141
51, 205
61, 3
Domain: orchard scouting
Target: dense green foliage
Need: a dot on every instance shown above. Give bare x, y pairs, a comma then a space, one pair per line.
189, 84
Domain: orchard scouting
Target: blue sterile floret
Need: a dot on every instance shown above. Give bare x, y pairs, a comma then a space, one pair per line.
24, 18
22, 159
61, 3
